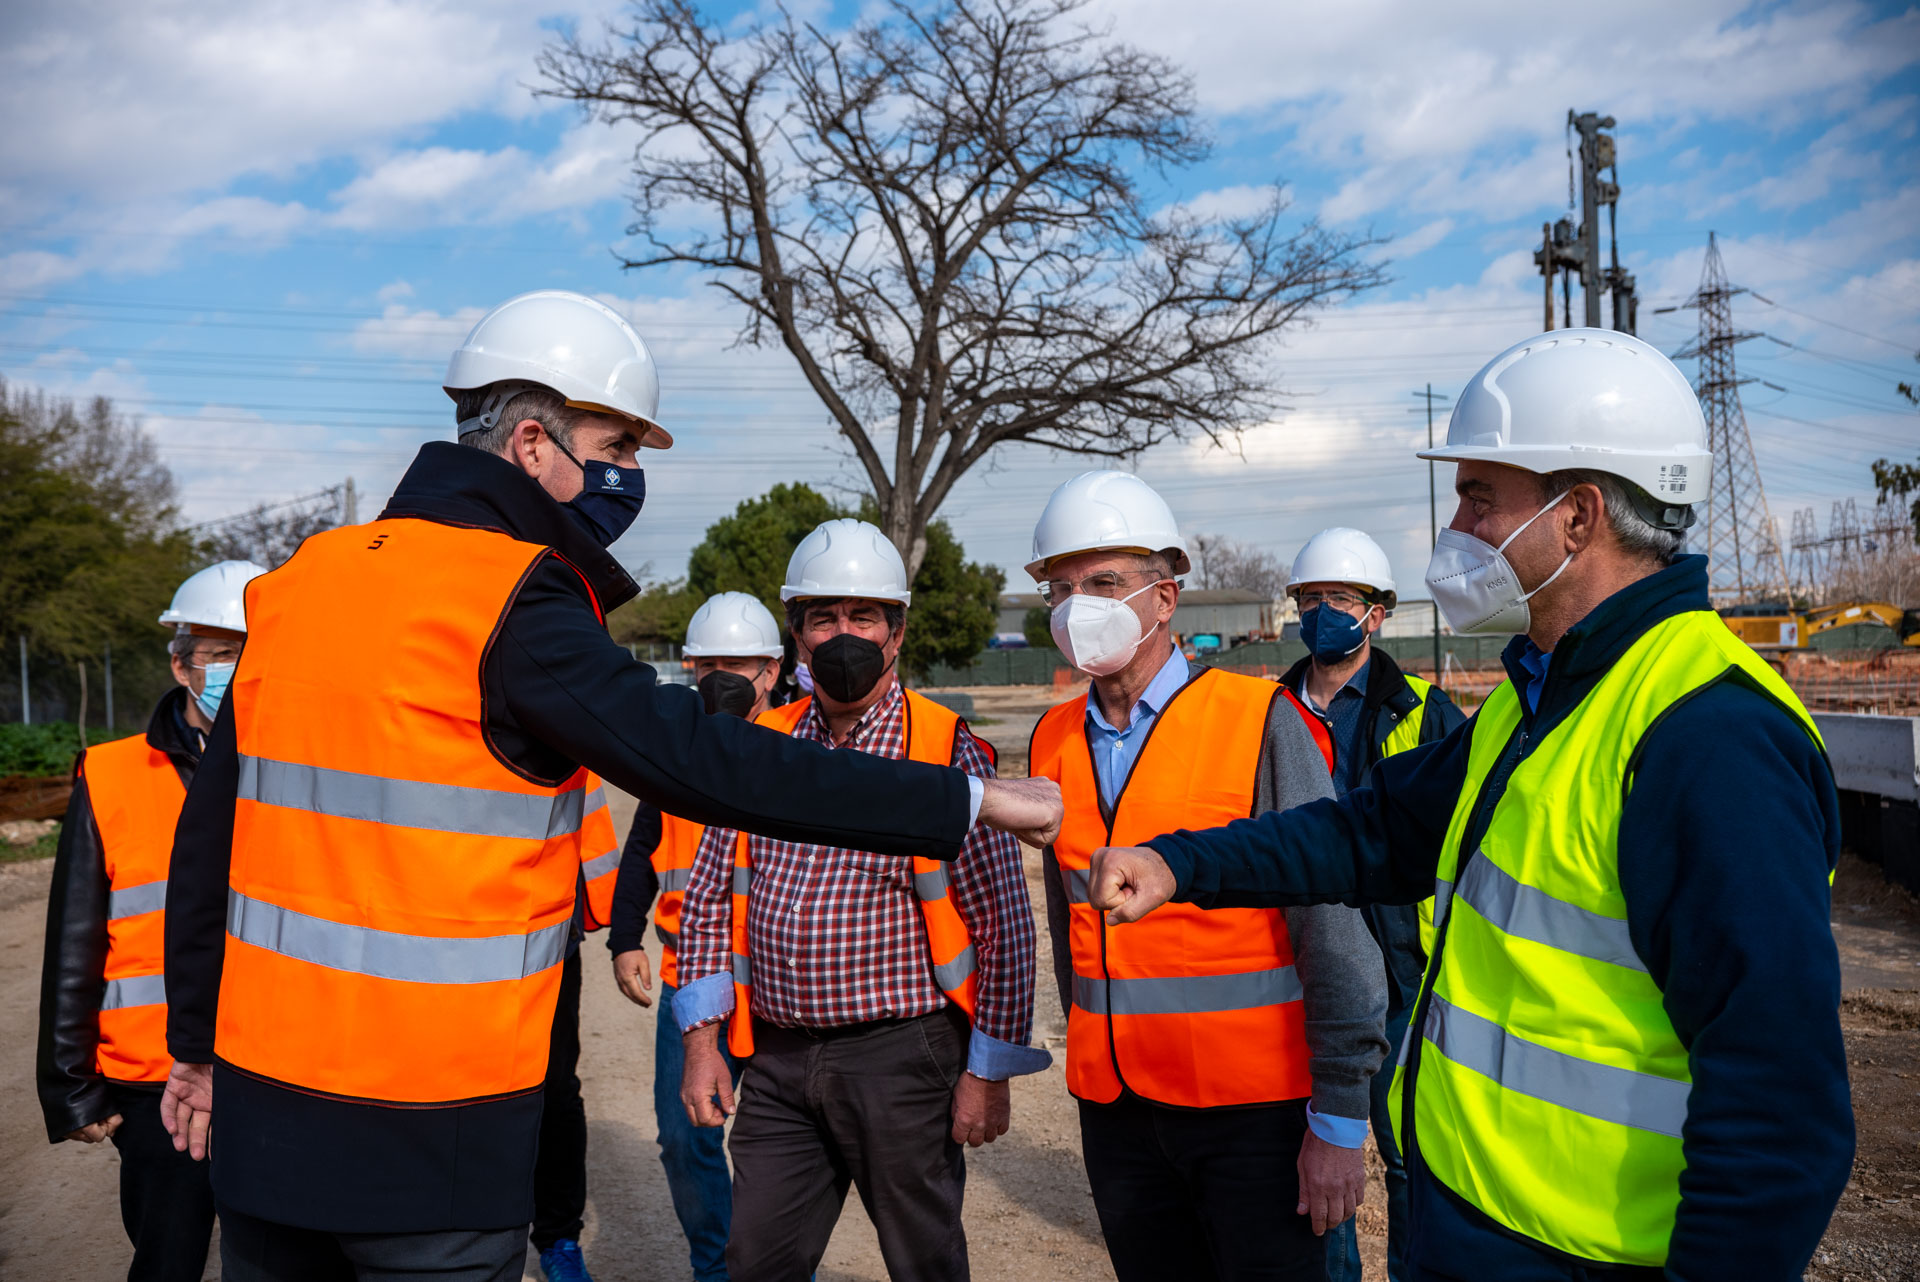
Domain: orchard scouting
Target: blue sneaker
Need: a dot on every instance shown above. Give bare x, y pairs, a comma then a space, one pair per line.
561, 1262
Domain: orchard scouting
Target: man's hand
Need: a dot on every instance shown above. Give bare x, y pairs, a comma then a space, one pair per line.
1128, 882
705, 1076
634, 973
1030, 809
1333, 1180
186, 1108
94, 1132
982, 1110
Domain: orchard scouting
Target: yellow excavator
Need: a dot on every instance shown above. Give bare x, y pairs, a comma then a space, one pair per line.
1773, 626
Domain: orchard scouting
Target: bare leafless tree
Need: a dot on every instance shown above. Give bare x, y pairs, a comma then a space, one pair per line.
1220, 562
271, 532
940, 213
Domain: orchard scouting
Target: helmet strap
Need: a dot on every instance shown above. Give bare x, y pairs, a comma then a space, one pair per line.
490, 408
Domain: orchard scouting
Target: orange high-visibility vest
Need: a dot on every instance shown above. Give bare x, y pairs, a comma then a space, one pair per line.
599, 855
672, 866
135, 792
1192, 1008
932, 732
400, 898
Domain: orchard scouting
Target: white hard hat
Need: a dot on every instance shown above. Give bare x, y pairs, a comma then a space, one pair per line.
214, 598
732, 624
1096, 511
846, 558
1341, 555
574, 345
1588, 398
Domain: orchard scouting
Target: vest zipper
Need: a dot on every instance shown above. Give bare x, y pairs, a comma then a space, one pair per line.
1490, 794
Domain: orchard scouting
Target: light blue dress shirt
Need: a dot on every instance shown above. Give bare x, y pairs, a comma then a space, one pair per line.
1115, 751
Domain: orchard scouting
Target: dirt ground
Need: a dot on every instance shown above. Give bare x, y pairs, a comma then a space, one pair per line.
1029, 1216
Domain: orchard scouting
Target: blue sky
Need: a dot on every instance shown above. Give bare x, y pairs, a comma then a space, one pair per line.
262, 226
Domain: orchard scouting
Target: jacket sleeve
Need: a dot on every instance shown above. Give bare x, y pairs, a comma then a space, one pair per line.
1724, 857
1341, 975
1059, 928
637, 883
73, 976
1378, 844
571, 688
197, 896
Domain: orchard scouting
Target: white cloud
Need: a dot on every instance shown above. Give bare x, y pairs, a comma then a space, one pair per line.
178, 96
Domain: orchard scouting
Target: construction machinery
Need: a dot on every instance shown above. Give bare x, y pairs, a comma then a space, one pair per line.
1777, 626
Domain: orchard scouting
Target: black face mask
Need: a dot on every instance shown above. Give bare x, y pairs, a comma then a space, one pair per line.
847, 667
728, 692
611, 499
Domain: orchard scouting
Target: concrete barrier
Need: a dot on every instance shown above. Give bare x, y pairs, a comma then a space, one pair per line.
1876, 766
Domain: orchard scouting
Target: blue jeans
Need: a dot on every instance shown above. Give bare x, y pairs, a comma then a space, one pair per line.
1343, 1243
695, 1157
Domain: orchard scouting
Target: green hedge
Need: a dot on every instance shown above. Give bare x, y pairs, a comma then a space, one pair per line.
47, 749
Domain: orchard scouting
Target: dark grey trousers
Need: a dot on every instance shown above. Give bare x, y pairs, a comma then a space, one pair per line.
871, 1108
255, 1250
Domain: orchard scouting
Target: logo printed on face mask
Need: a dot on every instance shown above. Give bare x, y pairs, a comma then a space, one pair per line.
1477, 588
1099, 634
612, 478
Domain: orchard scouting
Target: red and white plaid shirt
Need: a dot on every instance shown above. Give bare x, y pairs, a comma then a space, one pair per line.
836, 937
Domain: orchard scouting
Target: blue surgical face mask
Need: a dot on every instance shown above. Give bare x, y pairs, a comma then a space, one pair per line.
1331, 634
610, 500
218, 677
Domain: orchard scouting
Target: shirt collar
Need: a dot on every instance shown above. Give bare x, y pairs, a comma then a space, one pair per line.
1356, 683
1165, 684
861, 728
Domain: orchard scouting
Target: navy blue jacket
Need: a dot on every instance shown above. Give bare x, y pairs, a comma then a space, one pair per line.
1726, 843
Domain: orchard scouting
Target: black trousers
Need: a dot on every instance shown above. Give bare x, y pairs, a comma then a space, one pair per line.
166, 1198
560, 1170
1195, 1195
255, 1250
870, 1107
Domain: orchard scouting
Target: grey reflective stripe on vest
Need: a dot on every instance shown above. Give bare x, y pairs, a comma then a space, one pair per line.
675, 878
1187, 995
671, 938
954, 973
1079, 884
385, 954
742, 880
409, 803
595, 800
742, 970
134, 900
1442, 903
931, 885
1618, 1095
600, 865
1522, 911
138, 990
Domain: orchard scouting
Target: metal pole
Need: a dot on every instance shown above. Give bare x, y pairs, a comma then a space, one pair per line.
1433, 521
107, 667
352, 506
26, 699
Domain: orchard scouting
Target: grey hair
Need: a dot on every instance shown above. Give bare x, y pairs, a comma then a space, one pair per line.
1638, 536
896, 614
507, 404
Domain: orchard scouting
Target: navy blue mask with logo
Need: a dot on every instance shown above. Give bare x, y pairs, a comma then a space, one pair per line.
610, 500
1331, 634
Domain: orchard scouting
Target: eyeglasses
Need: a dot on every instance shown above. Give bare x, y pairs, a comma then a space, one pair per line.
1338, 600
210, 657
1110, 583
